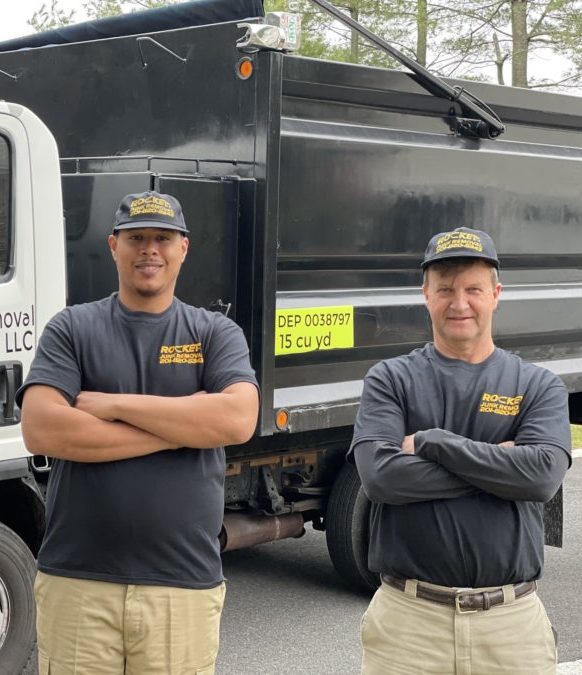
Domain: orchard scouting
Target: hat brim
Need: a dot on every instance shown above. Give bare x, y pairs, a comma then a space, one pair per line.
463, 254
138, 225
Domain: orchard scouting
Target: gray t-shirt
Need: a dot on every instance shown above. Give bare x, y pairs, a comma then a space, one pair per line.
463, 510
152, 519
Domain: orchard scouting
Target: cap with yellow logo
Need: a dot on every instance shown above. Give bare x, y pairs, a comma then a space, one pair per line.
149, 209
460, 243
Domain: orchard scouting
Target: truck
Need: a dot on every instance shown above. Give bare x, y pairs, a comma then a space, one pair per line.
311, 189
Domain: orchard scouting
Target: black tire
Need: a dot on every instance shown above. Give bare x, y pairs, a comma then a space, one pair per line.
17, 608
347, 527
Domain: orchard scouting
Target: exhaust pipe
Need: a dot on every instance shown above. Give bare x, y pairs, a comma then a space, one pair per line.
240, 530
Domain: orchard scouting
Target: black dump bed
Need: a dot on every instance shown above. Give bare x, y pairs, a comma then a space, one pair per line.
311, 190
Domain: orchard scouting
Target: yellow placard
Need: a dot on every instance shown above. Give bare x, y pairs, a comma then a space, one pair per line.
313, 329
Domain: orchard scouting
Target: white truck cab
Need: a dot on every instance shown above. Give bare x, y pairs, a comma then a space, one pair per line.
32, 289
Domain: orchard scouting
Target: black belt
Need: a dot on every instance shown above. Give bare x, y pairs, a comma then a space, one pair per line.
463, 600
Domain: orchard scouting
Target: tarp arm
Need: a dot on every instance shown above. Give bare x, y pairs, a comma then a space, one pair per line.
145, 38
8, 75
487, 125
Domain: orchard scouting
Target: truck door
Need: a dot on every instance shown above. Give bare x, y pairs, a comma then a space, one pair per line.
17, 330
26, 184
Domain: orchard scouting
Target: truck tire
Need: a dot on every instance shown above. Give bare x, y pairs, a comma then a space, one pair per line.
346, 529
17, 608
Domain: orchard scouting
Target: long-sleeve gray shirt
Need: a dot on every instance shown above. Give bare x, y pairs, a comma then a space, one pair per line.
463, 510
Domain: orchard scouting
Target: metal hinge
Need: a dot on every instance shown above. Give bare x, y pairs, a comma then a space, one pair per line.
281, 31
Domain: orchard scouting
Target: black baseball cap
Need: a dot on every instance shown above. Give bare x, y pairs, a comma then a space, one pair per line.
149, 209
460, 243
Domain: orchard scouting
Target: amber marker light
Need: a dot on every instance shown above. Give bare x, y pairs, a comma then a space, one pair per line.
245, 68
282, 419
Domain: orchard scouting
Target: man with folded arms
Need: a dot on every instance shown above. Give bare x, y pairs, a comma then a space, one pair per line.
134, 396
458, 445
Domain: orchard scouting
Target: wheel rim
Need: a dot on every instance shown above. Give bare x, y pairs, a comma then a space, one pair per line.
4, 613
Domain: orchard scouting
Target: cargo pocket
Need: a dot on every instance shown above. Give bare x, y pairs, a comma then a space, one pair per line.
366, 629
44, 666
365, 620
553, 640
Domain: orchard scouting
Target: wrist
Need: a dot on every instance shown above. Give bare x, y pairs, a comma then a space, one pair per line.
114, 403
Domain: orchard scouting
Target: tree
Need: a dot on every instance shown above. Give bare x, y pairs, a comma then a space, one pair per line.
466, 39
99, 9
404, 23
324, 37
497, 32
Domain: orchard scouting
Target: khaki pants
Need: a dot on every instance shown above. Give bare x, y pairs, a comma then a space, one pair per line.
87, 627
405, 635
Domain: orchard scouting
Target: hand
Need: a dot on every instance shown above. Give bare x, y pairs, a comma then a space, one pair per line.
508, 444
96, 403
408, 445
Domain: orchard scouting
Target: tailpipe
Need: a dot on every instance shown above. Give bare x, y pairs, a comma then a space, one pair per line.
240, 530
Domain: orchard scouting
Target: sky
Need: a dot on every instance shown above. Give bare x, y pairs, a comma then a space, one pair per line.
15, 13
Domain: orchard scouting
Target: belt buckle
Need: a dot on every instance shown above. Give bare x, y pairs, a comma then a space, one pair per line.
459, 609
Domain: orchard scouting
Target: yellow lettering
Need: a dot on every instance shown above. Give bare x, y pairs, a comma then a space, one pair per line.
188, 353
500, 405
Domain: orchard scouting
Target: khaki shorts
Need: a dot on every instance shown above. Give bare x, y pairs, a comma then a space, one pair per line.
91, 627
406, 635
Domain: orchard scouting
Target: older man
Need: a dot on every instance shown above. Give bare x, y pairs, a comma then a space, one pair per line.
458, 445
134, 396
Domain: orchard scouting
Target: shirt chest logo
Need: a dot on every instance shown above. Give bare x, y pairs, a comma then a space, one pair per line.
189, 354
496, 404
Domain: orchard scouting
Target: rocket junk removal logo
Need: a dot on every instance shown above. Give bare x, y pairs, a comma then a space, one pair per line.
459, 240
189, 354
500, 405
155, 206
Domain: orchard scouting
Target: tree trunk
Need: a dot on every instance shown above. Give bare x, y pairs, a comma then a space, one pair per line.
520, 43
421, 31
499, 59
355, 39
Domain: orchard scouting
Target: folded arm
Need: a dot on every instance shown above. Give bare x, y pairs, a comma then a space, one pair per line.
51, 427
530, 472
392, 476
196, 421
532, 469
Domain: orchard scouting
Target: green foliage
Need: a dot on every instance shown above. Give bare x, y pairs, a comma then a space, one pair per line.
50, 16
99, 9
576, 435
